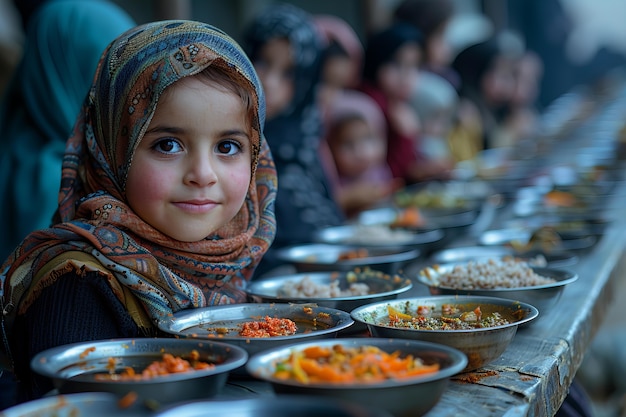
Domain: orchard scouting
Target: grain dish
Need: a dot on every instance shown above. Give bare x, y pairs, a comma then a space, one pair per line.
490, 274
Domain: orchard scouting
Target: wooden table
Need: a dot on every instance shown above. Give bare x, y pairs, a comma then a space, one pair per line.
533, 376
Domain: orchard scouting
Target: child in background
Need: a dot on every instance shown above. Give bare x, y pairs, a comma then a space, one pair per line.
64, 41
487, 83
357, 140
342, 58
285, 48
431, 18
435, 100
521, 116
392, 60
165, 203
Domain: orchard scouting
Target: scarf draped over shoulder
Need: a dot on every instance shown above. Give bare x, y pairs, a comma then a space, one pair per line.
93, 216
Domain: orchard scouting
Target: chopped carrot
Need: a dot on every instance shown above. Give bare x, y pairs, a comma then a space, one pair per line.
395, 314
315, 352
127, 400
341, 364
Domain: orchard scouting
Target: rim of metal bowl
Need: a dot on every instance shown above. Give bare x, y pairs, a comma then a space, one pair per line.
399, 254
458, 362
533, 312
41, 362
344, 321
569, 277
408, 284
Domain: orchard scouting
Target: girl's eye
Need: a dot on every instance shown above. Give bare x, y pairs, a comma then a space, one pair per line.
229, 147
167, 146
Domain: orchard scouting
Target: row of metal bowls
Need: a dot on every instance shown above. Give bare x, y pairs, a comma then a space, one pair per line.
72, 367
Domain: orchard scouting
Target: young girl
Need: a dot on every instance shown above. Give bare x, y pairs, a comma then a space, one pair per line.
357, 140
392, 60
285, 48
165, 201
487, 83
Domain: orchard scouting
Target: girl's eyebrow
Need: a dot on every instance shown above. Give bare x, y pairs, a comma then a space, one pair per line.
165, 129
178, 130
235, 132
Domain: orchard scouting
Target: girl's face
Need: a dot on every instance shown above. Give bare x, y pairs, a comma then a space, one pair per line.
275, 69
338, 72
191, 171
397, 78
498, 83
356, 148
438, 50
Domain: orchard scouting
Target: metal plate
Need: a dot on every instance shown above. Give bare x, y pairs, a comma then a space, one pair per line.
382, 287
72, 368
432, 219
92, 404
279, 406
507, 236
401, 397
481, 345
208, 323
377, 236
553, 259
326, 257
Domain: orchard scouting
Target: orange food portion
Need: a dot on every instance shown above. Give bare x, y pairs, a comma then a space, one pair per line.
127, 400
86, 352
409, 217
359, 253
170, 364
343, 365
268, 327
560, 199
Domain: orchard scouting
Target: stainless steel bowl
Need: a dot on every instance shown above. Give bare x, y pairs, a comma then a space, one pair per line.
553, 259
326, 257
223, 323
274, 406
401, 397
522, 236
481, 345
377, 235
382, 287
92, 404
72, 367
543, 297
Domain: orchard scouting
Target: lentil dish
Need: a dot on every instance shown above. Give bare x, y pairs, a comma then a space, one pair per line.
490, 274
448, 317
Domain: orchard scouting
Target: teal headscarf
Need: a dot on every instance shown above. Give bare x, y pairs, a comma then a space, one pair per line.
64, 41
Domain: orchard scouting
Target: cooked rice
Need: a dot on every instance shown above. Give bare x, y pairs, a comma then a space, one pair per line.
307, 288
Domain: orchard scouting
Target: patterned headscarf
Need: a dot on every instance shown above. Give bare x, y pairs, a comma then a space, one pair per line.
164, 274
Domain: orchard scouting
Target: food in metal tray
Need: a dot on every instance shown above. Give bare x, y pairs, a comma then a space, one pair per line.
341, 364
169, 364
306, 287
268, 327
490, 274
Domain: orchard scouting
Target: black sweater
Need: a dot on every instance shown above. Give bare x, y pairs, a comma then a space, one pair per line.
73, 309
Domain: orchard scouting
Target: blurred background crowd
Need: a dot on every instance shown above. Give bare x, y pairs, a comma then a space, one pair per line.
363, 96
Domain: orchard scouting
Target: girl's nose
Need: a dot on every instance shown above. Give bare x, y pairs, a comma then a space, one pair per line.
200, 172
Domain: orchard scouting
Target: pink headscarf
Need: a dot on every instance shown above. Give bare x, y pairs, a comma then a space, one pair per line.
333, 28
